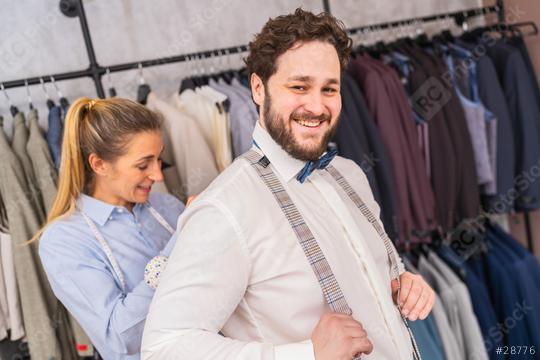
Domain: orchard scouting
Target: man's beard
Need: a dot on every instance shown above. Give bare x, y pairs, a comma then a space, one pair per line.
282, 133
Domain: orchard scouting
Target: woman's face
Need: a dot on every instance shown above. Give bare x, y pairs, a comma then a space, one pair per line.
130, 177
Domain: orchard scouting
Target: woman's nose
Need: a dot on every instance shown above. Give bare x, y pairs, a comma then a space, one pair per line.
156, 174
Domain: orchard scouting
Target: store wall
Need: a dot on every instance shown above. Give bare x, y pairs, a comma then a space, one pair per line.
36, 39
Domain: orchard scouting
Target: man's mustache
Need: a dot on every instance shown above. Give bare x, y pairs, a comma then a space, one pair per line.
308, 116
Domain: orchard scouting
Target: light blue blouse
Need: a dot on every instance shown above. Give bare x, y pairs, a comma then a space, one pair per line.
81, 275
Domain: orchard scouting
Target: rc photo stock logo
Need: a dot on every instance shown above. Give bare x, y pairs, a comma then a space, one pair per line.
430, 98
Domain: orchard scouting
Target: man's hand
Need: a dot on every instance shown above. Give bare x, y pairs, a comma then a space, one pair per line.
339, 337
416, 296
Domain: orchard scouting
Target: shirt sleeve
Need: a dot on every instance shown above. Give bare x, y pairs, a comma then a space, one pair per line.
83, 282
206, 277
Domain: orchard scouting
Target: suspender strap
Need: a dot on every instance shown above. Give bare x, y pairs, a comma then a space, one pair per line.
390, 250
329, 285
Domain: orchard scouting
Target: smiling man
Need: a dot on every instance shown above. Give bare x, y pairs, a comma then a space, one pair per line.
284, 253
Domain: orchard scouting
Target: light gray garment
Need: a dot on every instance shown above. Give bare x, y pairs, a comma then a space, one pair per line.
194, 161
246, 94
239, 117
170, 174
448, 339
475, 114
14, 316
47, 178
4, 311
448, 300
472, 334
490, 188
18, 144
42, 163
36, 296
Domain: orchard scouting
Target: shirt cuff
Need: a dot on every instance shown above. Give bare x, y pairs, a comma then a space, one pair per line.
295, 351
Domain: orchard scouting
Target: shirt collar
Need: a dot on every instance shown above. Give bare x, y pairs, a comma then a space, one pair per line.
286, 165
100, 211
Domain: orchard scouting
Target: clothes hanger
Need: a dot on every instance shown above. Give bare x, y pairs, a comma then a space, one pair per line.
144, 89
112, 90
29, 96
50, 103
204, 71
214, 67
63, 101
228, 73
445, 36
12, 108
188, 82
197, 71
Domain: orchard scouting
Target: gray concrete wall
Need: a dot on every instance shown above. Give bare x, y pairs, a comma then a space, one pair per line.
36, 39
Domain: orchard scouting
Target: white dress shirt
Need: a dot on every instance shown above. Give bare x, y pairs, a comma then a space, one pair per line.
237, 267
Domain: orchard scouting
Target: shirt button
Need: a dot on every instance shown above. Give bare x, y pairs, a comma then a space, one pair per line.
120, 210
110, 217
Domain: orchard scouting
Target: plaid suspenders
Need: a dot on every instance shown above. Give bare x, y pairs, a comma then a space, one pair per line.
329, 285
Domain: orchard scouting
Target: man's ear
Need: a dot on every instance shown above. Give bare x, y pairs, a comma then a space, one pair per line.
257, 89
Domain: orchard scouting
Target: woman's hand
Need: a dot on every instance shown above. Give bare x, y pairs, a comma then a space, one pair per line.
191, 199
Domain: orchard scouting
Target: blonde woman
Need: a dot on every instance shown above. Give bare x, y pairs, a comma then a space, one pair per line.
106, 226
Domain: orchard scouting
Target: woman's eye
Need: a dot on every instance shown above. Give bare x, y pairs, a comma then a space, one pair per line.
143, 167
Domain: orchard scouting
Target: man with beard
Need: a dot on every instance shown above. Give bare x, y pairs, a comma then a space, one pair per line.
284, 252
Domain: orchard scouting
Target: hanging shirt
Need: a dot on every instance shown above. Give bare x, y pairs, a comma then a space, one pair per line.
194, 161
240, 269
240, 118
205, 105
246, 94
80, 272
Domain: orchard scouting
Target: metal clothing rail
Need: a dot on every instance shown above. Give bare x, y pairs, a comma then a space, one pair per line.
75, 8
458, 16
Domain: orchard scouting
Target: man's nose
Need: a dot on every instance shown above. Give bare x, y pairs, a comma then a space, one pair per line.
314, 103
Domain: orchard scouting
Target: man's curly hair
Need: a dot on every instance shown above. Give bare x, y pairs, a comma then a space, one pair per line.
281, 33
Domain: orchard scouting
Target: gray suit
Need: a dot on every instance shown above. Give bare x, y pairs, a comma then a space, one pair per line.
18, 144
37, 299
472, 335
450, 346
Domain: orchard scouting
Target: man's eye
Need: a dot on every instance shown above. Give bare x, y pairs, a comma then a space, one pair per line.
330, 90
298, 87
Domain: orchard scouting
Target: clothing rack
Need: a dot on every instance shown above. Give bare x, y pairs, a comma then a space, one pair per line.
75, 8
